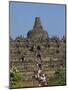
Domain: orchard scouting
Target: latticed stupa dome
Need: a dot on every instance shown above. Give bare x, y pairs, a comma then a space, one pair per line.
37, 32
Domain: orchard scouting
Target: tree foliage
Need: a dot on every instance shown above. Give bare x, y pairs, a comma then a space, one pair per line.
14, 75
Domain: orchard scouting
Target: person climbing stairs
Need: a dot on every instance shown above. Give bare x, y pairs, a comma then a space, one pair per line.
40, 77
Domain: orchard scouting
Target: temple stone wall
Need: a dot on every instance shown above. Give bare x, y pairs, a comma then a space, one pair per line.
37, 47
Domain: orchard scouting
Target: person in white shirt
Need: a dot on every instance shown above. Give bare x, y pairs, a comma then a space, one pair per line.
39, 72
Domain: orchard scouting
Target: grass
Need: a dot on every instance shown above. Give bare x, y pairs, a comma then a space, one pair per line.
21, 84
24, 84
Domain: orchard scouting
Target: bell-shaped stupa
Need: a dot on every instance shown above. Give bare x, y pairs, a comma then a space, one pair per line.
37, 32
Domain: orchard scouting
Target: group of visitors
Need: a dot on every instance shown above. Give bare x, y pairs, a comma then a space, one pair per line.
40, 77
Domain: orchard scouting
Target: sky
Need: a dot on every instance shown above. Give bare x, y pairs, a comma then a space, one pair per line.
22, 17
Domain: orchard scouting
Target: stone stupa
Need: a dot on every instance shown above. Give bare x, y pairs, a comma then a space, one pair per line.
37, 32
